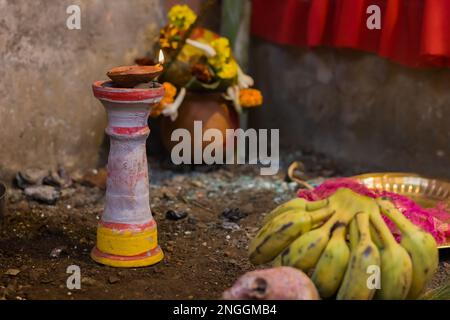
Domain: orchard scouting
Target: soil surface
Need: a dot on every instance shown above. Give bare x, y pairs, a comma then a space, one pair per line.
204, 252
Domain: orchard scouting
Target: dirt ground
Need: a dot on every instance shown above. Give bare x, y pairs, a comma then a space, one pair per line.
204, 254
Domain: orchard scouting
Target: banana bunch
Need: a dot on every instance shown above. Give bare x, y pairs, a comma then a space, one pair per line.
347, 248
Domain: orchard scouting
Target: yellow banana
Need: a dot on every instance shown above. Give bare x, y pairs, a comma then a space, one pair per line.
419, 244
297, 233
279, 232
375, 236
297, 204
304, 252
353, 234
330, 269
355, 285
396, 266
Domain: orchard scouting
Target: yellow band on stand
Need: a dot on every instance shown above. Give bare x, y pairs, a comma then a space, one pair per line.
126, 242
152, 257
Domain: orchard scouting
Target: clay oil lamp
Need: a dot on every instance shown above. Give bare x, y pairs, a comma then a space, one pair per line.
130, 76
127, 233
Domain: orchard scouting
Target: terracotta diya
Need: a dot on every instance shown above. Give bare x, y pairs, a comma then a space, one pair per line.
130, 76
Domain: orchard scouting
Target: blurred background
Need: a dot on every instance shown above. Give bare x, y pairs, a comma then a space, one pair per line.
364, 108
347, 96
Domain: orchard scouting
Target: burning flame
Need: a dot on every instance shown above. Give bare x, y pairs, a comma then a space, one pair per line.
161, 57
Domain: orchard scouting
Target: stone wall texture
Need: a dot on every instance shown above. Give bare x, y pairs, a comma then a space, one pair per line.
363, 110
47, 112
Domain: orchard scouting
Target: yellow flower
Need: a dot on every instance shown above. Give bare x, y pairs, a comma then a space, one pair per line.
223, 63
181, 16
222, 47
223, 52
228, 70
250, 98
170, 92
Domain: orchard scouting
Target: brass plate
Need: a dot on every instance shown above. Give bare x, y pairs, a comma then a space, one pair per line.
425, 191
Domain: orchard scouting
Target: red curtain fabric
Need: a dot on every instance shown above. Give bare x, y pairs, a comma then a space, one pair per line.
413, 32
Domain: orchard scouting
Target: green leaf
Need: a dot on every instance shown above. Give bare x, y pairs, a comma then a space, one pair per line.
232, 11
439, 293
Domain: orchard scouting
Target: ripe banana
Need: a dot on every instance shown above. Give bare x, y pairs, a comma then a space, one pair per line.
330, 269
297, 204
355, 284
419, 244
312, 235
396, 266
375, 236
279, 232
304, 252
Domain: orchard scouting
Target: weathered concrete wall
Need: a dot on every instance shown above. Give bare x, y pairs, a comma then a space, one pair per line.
363, 110
47, 112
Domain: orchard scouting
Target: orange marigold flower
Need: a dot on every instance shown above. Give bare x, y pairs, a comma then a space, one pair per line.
250, 98
170, 91
156, 110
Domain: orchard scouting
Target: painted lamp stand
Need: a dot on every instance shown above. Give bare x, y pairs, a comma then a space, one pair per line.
126, 233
